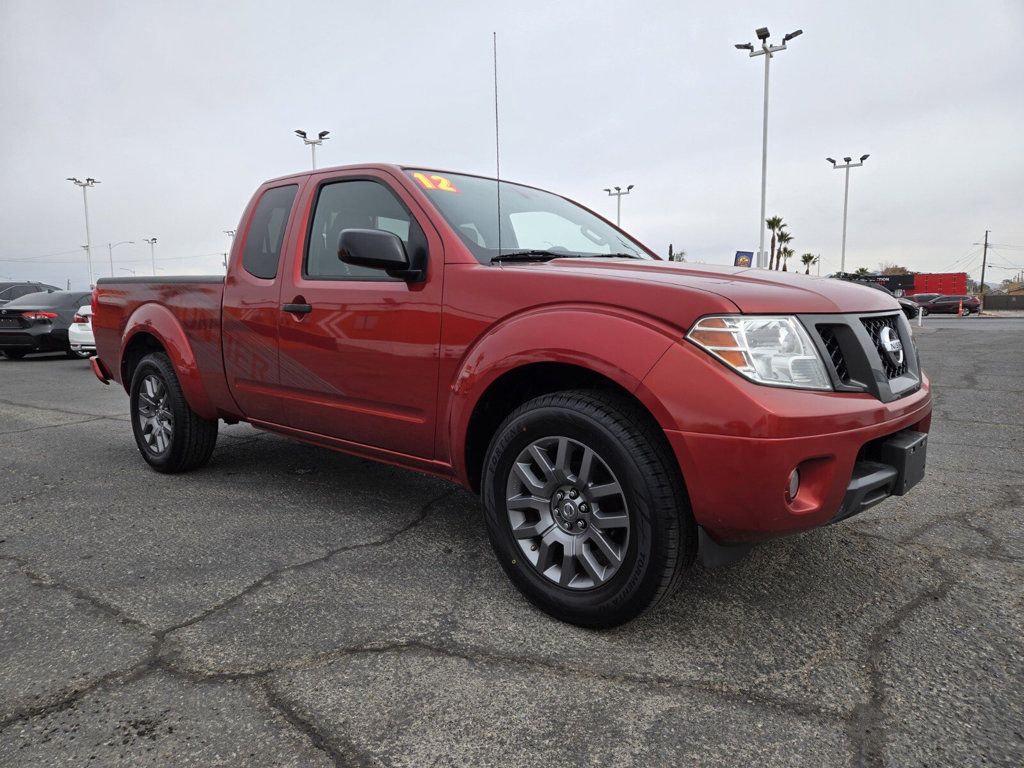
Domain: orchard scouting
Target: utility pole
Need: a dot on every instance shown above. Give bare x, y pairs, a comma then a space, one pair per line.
152, 253
767, 51
89, 182
617, 194
847, 165
313, 143
984, 258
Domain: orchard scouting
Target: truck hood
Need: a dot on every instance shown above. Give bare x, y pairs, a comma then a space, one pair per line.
753, 291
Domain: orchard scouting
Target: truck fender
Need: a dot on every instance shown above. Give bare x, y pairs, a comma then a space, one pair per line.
160, 323
617, 344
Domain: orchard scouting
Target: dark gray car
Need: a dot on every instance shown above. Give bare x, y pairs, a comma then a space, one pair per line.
11, 291
39, 322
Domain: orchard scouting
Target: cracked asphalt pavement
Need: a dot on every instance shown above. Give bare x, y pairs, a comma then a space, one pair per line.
289, 606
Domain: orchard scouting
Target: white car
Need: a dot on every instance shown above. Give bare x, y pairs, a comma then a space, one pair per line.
80, 338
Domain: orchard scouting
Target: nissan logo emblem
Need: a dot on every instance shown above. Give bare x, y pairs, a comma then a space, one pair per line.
892, 345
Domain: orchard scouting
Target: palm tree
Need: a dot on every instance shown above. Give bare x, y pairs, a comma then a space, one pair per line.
861, 271
775, 225
784, 255
784, 239
808, 260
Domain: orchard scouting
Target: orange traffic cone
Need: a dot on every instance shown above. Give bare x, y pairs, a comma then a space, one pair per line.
960, 310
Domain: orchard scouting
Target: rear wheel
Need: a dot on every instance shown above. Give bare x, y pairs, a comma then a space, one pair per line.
169, 434
586, 509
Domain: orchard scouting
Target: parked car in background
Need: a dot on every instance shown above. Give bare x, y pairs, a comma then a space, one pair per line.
950, 305
39, 322
921, 298
80, 338
908, 307
11, 291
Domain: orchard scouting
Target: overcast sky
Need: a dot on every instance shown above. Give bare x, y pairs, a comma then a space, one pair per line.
181, 109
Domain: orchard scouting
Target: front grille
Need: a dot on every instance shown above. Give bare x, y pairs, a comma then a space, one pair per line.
874, 327
835, 352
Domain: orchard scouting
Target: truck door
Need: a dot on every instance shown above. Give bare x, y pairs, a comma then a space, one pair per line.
251, 303
359, 359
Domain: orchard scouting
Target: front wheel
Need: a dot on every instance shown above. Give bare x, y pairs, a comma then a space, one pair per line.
586, 508
79, 354
171, 437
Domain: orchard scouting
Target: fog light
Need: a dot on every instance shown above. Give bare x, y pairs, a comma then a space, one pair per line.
793, 486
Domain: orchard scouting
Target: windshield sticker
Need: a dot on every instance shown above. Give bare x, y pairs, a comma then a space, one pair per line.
434, 182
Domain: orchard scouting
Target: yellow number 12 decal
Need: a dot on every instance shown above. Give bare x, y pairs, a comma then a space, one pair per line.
434, 182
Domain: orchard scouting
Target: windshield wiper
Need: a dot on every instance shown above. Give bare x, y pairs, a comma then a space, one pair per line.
543, 255
531, 255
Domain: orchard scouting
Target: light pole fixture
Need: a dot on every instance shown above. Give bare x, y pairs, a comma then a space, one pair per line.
312, 143
152, 251
110, 250
846, 165
618, 194
127, 269
89, 182
767, 50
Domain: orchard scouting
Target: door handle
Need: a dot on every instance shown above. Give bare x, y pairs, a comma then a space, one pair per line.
298, 309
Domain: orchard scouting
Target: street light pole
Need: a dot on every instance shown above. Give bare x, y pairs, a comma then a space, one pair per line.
847, 165
110, 250
618, 194
767, 50
313, 143
152, 252
89, 182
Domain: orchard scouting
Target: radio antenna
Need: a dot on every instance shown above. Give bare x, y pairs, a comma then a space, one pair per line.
497, 142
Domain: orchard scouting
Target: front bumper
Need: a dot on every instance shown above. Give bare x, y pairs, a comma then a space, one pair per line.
747, 439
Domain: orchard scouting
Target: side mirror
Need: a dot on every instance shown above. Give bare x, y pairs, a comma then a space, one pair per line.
376, 249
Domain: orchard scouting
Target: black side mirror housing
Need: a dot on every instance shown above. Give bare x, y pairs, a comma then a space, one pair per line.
377, 249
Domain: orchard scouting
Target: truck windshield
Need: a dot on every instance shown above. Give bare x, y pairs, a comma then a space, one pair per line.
531, 220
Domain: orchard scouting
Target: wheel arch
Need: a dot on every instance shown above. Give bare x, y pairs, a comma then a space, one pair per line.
525, 382
153, 328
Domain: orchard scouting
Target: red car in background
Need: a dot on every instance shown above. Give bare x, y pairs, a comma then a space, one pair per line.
950, 305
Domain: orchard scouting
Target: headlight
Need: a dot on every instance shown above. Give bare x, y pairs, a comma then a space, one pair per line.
768, 350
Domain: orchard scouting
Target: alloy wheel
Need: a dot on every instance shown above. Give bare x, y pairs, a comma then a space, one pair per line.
567, 512
156, 422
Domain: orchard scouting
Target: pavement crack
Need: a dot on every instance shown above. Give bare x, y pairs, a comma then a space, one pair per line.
64, 411
866, 722
340, 756
52, 426
273, 575
45, 581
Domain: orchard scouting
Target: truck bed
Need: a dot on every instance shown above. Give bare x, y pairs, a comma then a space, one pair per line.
127, 309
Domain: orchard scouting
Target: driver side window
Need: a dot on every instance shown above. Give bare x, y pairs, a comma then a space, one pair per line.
358, 204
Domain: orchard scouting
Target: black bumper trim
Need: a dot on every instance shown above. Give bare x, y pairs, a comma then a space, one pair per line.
870, 484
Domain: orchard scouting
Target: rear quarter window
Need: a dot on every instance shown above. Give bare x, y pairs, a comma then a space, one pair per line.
262, 251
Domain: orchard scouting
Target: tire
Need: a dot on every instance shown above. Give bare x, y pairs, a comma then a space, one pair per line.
14, 354
156, 403
78, 355
967, 311
924, 311
647, 529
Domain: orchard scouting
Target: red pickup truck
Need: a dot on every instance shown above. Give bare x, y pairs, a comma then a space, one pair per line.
619, 414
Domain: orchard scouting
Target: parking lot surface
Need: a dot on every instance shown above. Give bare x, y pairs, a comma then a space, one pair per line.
291, 606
